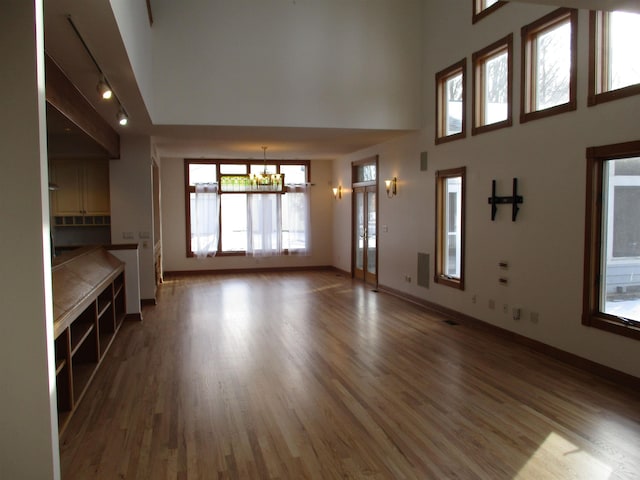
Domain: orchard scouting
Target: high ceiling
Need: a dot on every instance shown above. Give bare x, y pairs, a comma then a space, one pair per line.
98, 29
96, 24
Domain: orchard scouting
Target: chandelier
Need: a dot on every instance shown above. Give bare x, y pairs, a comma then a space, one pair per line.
266, 180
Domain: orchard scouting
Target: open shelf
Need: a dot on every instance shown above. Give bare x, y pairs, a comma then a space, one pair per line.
104, 300
82, 374
89, 306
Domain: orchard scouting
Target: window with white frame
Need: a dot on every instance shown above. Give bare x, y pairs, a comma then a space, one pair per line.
226, 219
614, 65
549, 47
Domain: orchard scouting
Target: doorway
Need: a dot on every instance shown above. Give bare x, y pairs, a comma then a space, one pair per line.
365, 220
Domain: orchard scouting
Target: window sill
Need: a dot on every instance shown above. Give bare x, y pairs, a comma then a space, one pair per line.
449, 281
547, 112
612, 324
450, 138
491, 127
610, 95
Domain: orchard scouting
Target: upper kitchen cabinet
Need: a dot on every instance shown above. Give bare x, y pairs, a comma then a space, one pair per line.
81, 190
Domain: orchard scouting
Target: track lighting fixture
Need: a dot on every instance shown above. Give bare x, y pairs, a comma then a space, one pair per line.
104, 89
122, 117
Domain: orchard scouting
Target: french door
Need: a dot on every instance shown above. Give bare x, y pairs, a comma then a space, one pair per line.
365, 233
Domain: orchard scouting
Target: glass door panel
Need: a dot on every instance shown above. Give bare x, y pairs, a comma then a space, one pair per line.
365, 236
359, 234
371, 235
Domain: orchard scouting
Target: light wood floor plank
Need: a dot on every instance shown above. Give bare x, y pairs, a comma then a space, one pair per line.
314, 376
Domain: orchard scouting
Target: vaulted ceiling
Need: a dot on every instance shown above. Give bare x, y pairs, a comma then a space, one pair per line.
98, 27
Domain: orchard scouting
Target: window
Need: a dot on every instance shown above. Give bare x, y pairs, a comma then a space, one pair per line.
482, 8
549, 48
223, 221
612, 251
614, 63
450, 227
450, 103
492, 86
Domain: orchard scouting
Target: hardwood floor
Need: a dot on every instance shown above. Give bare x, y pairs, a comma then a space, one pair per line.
312, 375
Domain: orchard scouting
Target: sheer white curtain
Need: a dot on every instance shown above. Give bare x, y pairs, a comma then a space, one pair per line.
264, 224
296, 219
205, 214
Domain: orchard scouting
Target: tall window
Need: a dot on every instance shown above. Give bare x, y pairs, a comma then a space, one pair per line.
492, 86
612, 251
614, 63
482, 8
223, 221
450, 227
450, 102
549, 48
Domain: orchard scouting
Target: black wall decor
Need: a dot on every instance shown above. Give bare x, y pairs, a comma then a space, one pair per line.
514, 200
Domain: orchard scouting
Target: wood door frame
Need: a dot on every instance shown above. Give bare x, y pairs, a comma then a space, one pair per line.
373, 160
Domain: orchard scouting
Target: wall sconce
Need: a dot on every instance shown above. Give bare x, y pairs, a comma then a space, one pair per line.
392, 187
337, 192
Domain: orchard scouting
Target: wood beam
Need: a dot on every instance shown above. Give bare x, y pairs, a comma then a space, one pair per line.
66, 98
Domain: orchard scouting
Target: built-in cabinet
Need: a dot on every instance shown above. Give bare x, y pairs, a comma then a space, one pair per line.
89, 305
81, 195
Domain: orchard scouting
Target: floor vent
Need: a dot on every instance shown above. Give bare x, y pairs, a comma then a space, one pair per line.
450, 322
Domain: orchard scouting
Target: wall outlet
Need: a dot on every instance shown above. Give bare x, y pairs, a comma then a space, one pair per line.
127, 235
505, 308
517, 312
407, 278
474, 298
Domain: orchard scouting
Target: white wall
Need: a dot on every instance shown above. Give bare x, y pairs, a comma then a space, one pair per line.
131, 196
28, 418
133, 23
304, 63
131, 277
545, 246
174, 226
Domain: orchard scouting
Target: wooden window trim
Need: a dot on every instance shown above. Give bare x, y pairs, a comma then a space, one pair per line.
479, 13
441, 78
591, 314
528, 33
188, 190
441, 176
478, 60
598, 26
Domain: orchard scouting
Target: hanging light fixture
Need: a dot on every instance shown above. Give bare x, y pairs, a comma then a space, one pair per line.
266, 180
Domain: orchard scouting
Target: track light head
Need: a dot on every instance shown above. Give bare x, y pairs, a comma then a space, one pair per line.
104, 89
122, 117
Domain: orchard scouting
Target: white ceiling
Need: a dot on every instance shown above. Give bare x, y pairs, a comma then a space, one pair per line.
98, 28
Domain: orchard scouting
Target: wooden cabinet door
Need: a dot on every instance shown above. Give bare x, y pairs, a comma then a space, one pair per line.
67, 200
96, 187
83, 187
